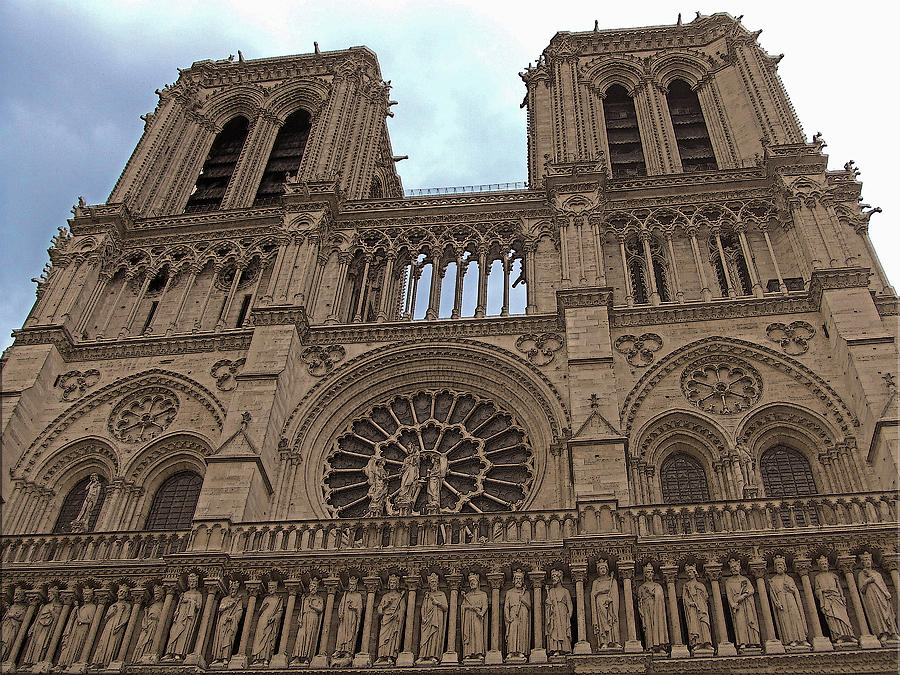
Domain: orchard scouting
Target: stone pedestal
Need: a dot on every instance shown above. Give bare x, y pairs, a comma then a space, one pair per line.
450, 658
238, 662
279, 661
405, 659
538, 656
319, 661
774, 647
195, 660
362, 660
680, 652
708, 651
633, 647
869, 642
516, 659
582, 647
726, 649
493, 657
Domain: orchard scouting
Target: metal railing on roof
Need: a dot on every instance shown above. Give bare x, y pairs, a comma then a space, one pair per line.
460, 189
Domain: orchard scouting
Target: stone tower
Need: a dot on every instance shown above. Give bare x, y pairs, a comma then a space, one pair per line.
270, 410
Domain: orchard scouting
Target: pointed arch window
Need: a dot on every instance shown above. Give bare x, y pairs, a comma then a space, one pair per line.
639, 273
174, 502
626, 154
730, 259
218, 167
691, 133
287, 152
683, 480
787, 473
73, 503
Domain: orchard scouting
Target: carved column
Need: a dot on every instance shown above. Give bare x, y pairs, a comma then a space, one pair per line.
102, 281
196, 657
564, 248
68, 597
673, 264
154, 320
458, 289
239, 659
648, 264
387, 288
629, 291
679, 649
198, 321
705, 292
34, 600
276, 274
494, 655
162, 628
820, 643
344, 261
507, 265
320, 660
406, 657
364, 658
866, 639
748, 258
126, 329
771, 642
315, 285
364, 280
280, 660
223, 317
730, 292
483, 273
579, 572
782, 287
530, 277
434, 295
725, 647
189, 284
626, 571
137, 597
582, 279
102, 596
538, 653
451, 656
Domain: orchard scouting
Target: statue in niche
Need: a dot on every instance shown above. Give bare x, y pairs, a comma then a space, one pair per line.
434, 622
378, 487
739, 591
652, 608
828, 591
436, 473
410, 483
695, 599
789, 615
349, 614
311, 609
42, 628
91, 498
143, 646
12, 622
270, 611
558, 619
605, 607
185, 622
745, 459
117, 615
231, 609
876, 599
76, 632
517, 613
474, 620
391, 610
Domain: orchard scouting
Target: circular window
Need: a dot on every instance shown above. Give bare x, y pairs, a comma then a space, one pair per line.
721, 385
143, 415
429, 452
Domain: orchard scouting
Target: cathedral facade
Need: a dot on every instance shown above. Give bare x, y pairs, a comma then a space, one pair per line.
272, 412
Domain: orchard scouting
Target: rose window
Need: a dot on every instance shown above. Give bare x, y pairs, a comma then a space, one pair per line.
430, 452
721, 385
143, 415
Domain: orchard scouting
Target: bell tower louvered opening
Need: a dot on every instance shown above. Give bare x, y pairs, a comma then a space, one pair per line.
691, 134
218, 167
287, 152
626, 154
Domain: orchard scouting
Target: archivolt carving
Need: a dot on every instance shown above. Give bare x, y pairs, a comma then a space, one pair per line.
173, 446
656, 431
80, 451
689, 65
781, 415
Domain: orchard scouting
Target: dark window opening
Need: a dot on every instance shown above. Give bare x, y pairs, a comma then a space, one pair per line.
662, 280
245, 306
691, 134
738, 272
626, 154
174, 502
638, 283
683, 481
786, 473
287, 152
150, 316
218, 167
72, 504
791, 283
158, 282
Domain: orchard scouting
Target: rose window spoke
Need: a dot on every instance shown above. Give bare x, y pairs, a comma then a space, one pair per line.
143, 415
720, 385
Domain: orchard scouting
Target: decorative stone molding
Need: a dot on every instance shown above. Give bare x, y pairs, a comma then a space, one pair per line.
320, 360
724, 386
639, 351
143, 415
75, 383
794, 337
224, 371
540, 348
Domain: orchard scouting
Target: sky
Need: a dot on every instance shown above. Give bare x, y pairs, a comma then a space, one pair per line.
77, 76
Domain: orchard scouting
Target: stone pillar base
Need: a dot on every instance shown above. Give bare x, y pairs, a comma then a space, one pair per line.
538, 656
279, 661
41, 667
726, 649
582, 647
238, 662
517, 659
774, 647
633, 647
822, 644
680, 652
405, 659
195, 660
343, 661
707, 651
74, 669
493, 657
869, 641
115, 667
7, 667
319, 661
362, 660
451, 658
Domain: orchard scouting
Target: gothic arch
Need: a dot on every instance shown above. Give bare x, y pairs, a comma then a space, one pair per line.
306, 93
244, 100
683, 64
604, 72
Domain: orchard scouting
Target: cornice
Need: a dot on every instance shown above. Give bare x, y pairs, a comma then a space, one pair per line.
441, 329
686, 179
459, 199
887, 305
837, 278
210, 219
726, 308
574, 298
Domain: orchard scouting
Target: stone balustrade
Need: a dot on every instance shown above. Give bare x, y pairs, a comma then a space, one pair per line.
91, 547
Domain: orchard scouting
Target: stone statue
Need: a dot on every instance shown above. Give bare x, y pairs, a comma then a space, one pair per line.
695, 599
185, 621
311, 609
230, 611
76, 632
558, 618
267, 624
739, 591
605, 607
12, 622
391, 610
652, 608
143, 646
434, 622
436, 473
117, 615
83, 520
876, 599
474, 620
745, 459
789, 615
349, 614
406, 495
42, 628
517, 613
828, 591
378, 488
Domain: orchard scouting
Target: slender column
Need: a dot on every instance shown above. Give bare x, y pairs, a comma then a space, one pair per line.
648, 263
198, 322
539, 653
434, 297
406, 657
295, 245
280, 660
137, 597
320, 660
564, 248
748, 257
577, 223
115, 305
223, 317
626, 571
162, 627
705, 293
99, 288
196, 657
458, 290
629, 291
276, 274
189, 284
507, 264
170, 275
679, 649
416, 275
102, 596
387, 290
530, 277
239, 659
781, 285
253, 295
68, 597
673, 264
316, 284
364, 658
596, 236
579, 572
357, 312
725, 647
494, 655
820, 643
730, 291
451, 656
34, 600
801, 255
79, 265
134, 307
483, 273
771, 642
344, 262
866, 639
410, 275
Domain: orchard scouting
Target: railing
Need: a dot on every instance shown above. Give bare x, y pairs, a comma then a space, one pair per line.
93, 546
460, 189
